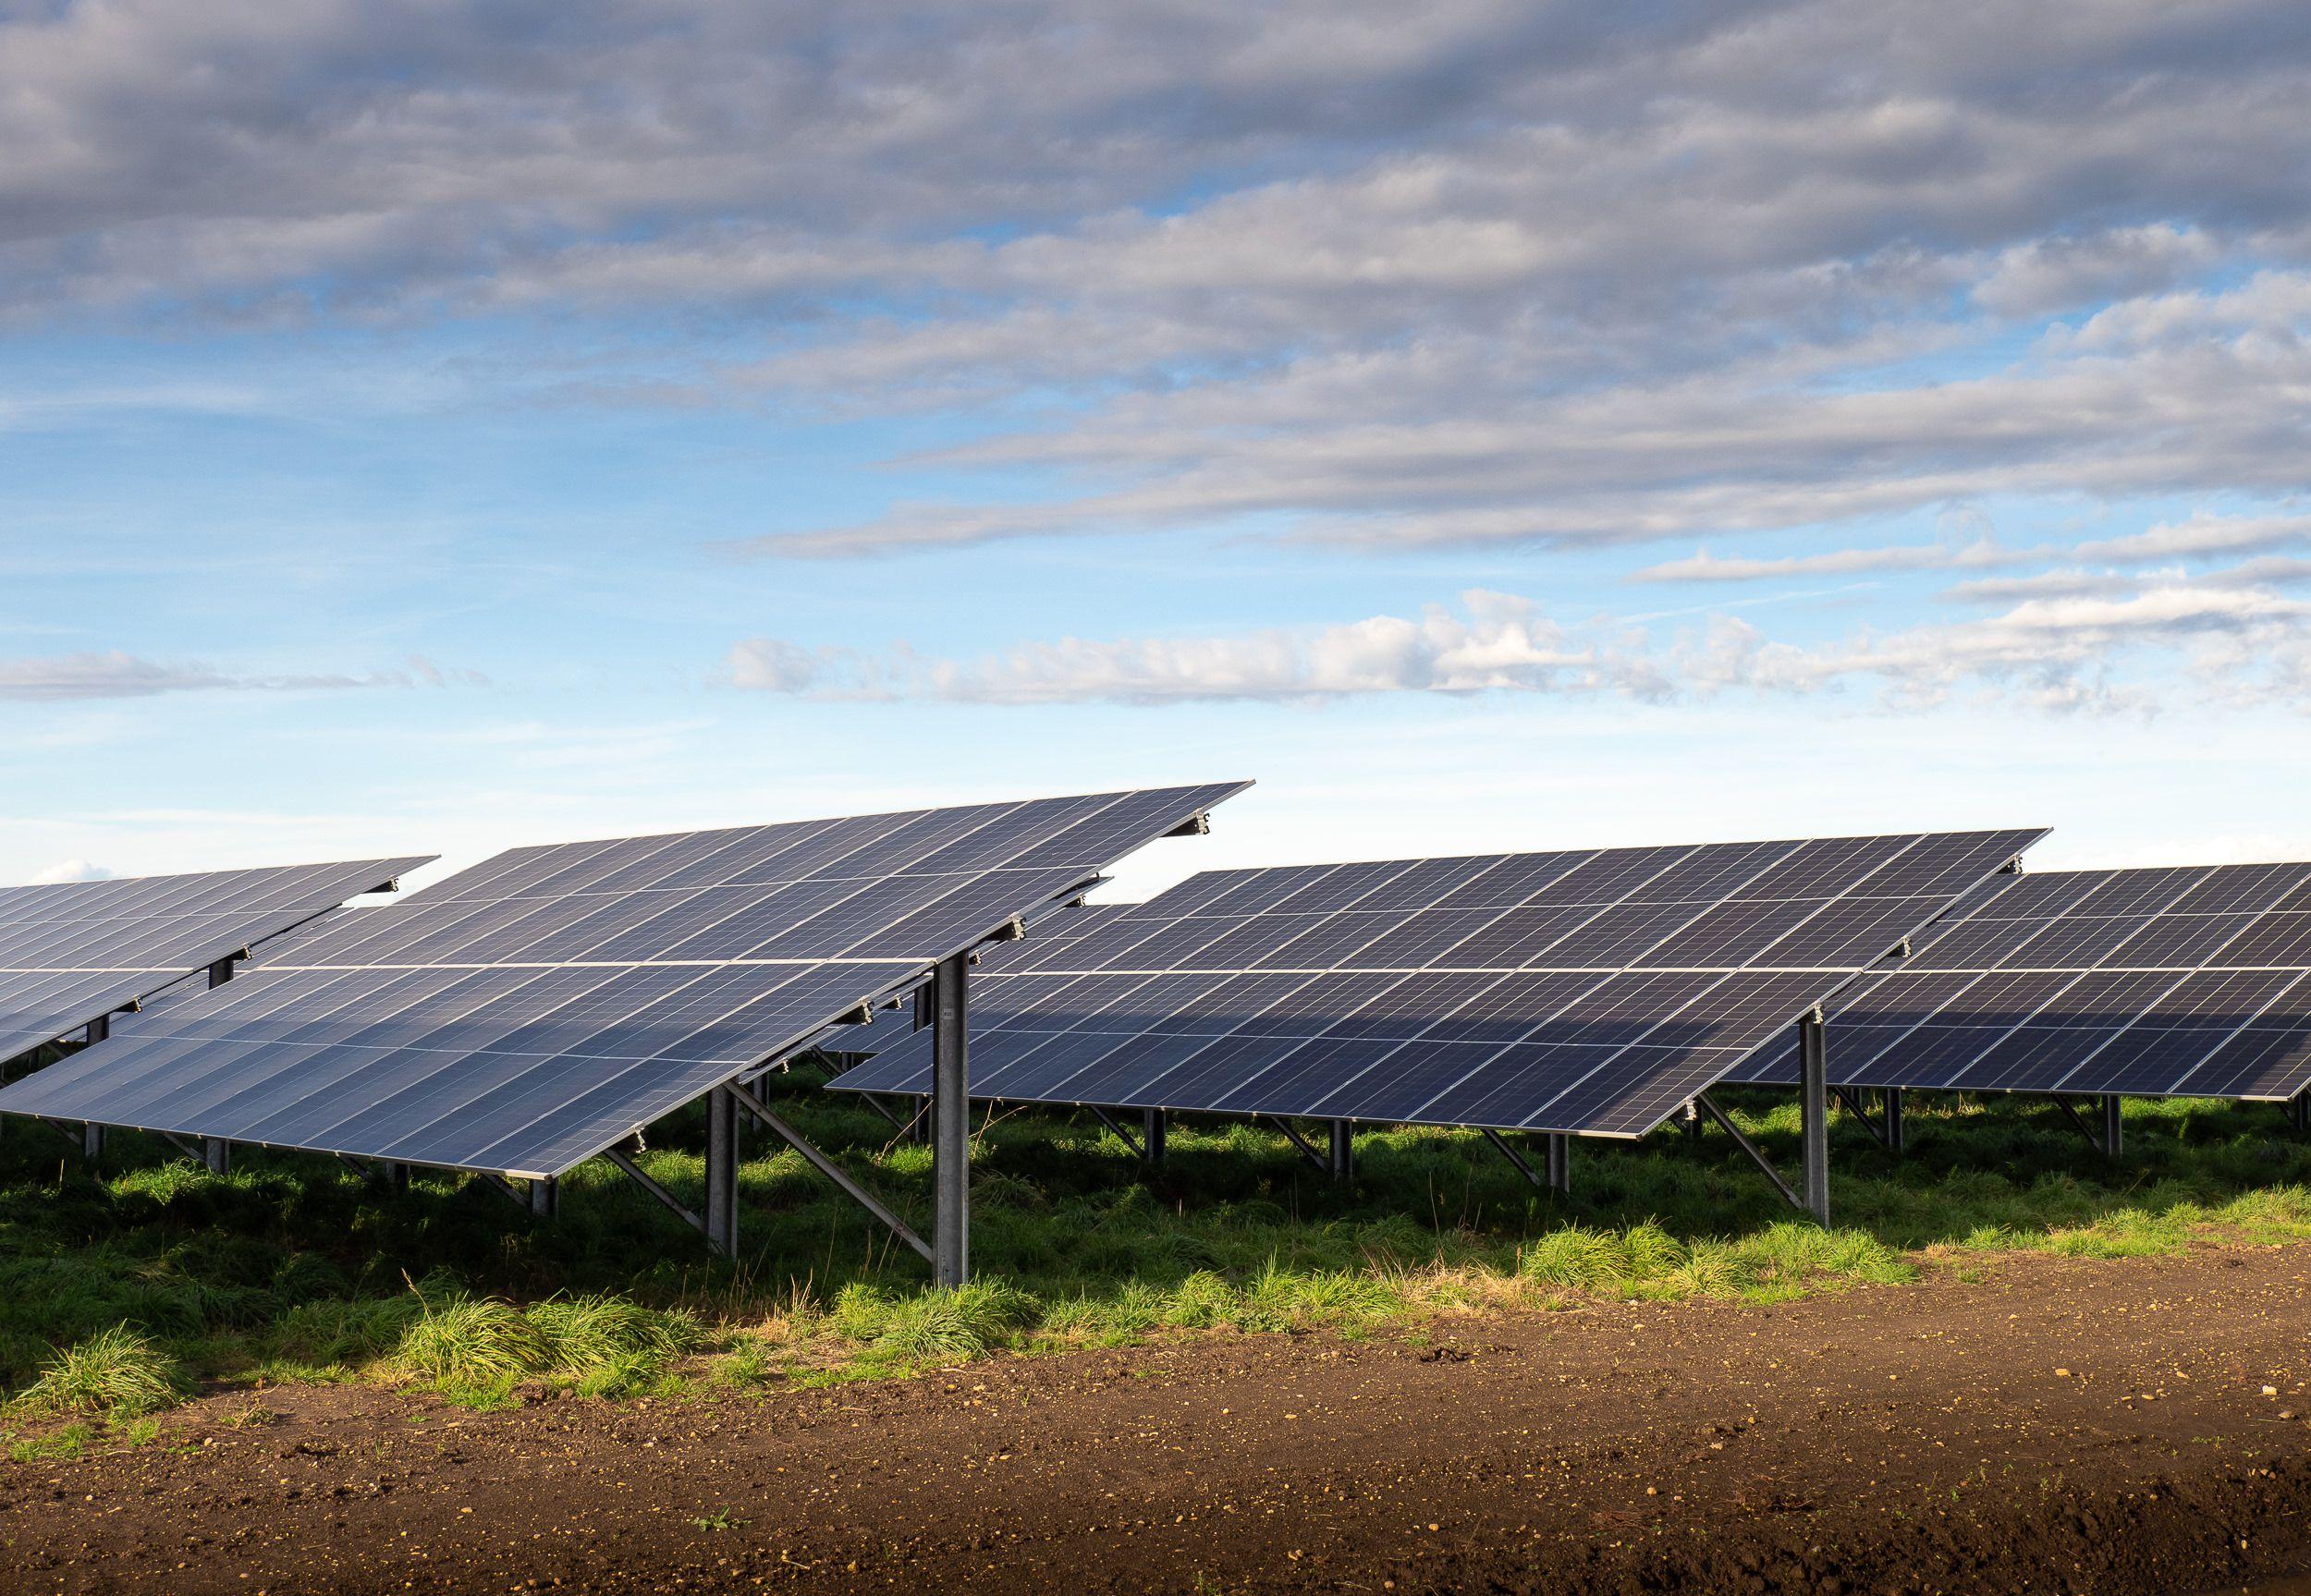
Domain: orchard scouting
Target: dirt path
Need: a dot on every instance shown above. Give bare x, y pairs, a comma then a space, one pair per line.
1907, 1439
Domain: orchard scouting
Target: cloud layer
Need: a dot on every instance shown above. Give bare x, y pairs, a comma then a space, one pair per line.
1476, 273
2144, 646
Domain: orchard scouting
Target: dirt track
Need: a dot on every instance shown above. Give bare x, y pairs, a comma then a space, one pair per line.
1906, 1439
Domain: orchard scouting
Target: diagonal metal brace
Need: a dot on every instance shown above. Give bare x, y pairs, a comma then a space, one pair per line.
1307, 1148
1860, 1109
2078, 1123
1757, 1153
632, 1172
828, 1167
1122, 1134
1500, 1145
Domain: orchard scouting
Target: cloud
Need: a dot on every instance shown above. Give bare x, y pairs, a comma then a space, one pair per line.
1474, 273
2202, 535
71, 870
1703, 566
118, 674
2078, 645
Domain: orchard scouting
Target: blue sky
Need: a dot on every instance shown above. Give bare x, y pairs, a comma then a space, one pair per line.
429, 428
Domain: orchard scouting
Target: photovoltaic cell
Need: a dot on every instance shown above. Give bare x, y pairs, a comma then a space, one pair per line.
530, 1011
1587, 991
2186, 982
76, 951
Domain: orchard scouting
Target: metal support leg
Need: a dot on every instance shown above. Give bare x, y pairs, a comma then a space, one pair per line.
950, 1125
722, 1172
545, 1198
1560, 1160
217, 1154
1689, 1117
1343, 1161
2299, 1112
395, 1175
1812, 1051
220, 972
2113, 1144
1154, 1126
1894, 1134
92, 1136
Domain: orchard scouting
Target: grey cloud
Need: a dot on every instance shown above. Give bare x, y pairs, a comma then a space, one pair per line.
115, 674
1474, 273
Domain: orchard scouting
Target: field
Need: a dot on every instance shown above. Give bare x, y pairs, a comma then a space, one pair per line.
145, 1301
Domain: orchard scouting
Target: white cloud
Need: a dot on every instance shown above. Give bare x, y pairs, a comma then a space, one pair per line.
69, 870
1705, 566
2067, 646
2202, 535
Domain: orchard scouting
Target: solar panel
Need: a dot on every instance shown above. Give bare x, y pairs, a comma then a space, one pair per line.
1591, 992
527, 1013
74, 952
2181, 982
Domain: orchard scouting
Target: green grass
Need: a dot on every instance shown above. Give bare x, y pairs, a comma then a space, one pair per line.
125, 1286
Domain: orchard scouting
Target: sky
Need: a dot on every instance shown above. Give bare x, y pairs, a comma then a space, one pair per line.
429, 427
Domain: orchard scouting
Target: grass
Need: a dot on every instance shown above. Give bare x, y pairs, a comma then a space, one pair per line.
125, 1286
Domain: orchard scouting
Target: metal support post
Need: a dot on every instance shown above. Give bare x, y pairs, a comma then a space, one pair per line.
1690, 1118
2299, 1112
1813, 1069
220, 972
1560, 1159
1343, 1161
2113, 1136
1154, 1125
217, 1154
91, 1142
99, 1029
950, 1125
722, 1171
1894, 1136
545, 1198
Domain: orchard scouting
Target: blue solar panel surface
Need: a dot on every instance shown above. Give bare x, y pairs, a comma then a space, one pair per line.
2183, 982
524, 1015
76, 951
1591, 992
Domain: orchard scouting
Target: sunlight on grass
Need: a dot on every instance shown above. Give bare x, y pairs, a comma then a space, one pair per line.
292, 1270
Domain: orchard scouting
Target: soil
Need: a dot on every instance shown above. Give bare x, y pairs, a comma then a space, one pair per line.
2057, 1426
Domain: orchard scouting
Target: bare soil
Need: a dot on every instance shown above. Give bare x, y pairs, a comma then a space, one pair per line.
2085, 1426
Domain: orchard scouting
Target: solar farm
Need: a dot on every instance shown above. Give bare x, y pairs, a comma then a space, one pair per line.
785, 1105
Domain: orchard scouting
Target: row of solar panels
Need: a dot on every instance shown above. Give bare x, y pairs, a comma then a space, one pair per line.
524, 1015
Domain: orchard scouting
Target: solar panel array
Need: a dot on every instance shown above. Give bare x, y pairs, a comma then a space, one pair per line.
527, 1013
2190, 982
75, 951
1591, 992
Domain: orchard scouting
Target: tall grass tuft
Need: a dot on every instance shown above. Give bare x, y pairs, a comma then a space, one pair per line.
938, 1325
117, 1373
